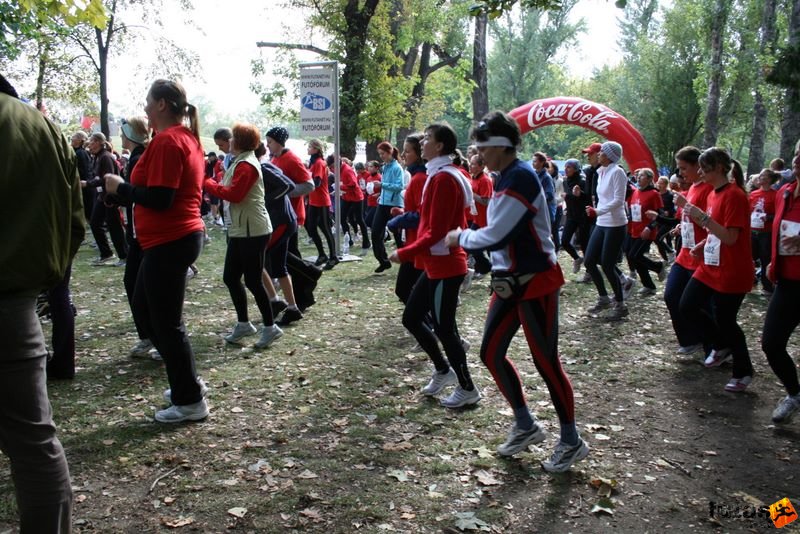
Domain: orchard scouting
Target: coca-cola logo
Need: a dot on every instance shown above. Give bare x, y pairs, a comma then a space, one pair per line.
581, 113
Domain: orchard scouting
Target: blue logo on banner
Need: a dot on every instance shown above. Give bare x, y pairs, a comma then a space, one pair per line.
316, 102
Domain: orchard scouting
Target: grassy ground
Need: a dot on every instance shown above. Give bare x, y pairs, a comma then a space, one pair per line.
327, 432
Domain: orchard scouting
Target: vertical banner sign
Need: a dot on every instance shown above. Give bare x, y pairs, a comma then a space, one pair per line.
316, 101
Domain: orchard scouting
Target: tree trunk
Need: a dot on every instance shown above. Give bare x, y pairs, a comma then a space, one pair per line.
719, 19
351, 101
480, 93
758, 134
42, 68
790, 124
102, 67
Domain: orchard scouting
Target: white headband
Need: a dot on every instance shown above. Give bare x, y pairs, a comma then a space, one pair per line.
495, 140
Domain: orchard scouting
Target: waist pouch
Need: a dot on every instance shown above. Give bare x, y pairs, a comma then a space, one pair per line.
508, 285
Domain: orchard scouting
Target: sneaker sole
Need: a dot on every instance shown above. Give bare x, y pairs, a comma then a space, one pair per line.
197, 417
469, 402
582, 453
450, 382
718, 363
533, 439
271, 341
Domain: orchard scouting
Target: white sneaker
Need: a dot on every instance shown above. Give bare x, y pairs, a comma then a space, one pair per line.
268, 335
461, 397
518, 440
716, 358
467, 282
141, 349
576, 265
663, 272
646, 291
189, 412
565, 455
200, 382
240, 331
440, 381
786, 408
627, 288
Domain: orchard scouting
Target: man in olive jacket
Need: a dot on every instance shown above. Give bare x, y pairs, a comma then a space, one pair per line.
39, 180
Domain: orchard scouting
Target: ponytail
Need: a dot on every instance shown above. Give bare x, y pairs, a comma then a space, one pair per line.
194, 121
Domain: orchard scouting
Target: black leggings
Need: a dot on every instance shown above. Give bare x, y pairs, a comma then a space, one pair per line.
783, 316
539, 320
132, 266
245, 256
382, 215
762, 251
642, 264
353, 213
158, 301
318, 218
278, 250
110, 216
439, 298
719, 327
570, 228
605, 246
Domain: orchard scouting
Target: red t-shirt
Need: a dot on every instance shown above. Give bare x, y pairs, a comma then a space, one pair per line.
174, 159
787, 211
441, 211
320, 197
362, 181
640, 202
351, 192
292, 167
481, 187
411, 202
729, 207
762, 210
372, 200
697, 196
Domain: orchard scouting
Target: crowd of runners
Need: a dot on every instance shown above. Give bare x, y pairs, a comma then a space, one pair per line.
436, 218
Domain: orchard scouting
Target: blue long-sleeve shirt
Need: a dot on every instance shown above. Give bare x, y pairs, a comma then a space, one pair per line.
391, 185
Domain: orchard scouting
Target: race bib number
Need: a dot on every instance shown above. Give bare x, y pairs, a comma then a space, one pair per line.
788, 229
711, 252
687, 232
636, 212
758, 219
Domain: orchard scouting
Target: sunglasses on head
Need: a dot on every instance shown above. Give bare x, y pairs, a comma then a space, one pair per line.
482, 132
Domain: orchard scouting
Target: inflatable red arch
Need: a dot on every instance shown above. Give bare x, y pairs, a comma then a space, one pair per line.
591, 116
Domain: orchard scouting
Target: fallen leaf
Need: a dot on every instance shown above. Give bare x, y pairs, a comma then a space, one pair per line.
238, 512
312, 513
601, 437
307, 474
468, 521
236, 409
709, 453
398, 474
604, 505
177, 523
486, 478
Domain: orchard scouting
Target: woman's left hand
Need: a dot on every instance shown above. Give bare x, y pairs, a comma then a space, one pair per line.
451, 239
112, 183
394, 257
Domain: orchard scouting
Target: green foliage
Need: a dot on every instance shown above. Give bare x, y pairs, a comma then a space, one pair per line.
524, 43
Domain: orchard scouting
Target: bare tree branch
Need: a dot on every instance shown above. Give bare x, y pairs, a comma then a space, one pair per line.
294, 46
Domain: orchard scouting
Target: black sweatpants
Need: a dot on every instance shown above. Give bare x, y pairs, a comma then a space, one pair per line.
245, 256
783, 316
158, 299
719, 327
318, 219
